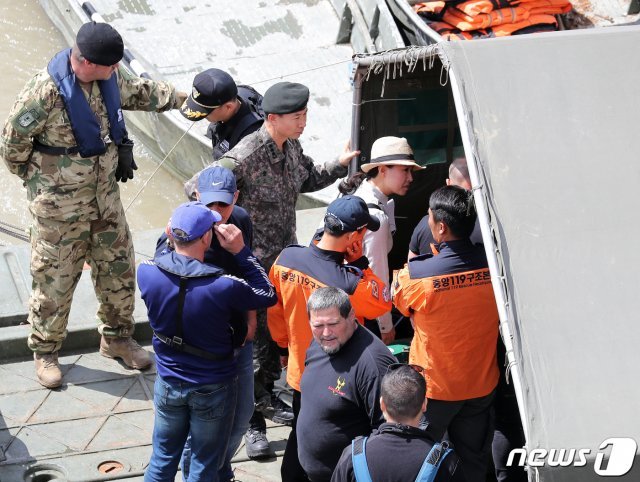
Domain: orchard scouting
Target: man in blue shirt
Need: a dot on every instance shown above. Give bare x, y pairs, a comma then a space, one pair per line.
216, 187
193, 309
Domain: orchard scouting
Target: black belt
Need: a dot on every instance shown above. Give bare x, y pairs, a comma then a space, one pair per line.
177, 343
53, 150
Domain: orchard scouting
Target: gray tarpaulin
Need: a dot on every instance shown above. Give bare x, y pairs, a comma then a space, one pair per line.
554, 129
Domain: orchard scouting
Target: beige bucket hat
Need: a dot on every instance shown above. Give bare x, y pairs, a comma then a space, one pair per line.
392, 151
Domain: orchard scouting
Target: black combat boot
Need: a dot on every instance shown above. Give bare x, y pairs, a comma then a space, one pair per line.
255, 439
279, 412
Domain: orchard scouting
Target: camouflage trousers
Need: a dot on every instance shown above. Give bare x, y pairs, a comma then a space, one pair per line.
59, 250
266, 361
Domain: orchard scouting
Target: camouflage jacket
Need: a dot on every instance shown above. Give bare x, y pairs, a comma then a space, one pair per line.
269, 181
69, 187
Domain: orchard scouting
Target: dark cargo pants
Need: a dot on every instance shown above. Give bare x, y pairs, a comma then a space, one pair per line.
470, 427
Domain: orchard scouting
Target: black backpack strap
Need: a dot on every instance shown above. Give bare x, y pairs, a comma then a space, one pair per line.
253, 98
176, 342
374, 206
252, 117
182, 293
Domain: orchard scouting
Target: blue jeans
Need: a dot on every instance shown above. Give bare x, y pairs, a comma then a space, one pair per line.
204, 411
243, 411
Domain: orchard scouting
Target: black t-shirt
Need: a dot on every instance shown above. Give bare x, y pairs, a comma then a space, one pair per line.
216, 255
422, 238
395, 453
340, 400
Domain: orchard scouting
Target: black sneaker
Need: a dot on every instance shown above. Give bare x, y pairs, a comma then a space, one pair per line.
280, 412
257, 444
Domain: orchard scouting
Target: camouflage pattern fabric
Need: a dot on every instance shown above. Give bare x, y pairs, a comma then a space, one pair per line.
190, 187
269, 181
71, 188
58, 252
69, 197
266, 361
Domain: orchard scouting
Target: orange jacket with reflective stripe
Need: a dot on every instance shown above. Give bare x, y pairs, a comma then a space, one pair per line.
297, 273
455, 320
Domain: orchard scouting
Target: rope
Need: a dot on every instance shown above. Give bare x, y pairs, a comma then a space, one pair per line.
16, 231
7, 225
299, 72
391, 63
158, 168
13, 231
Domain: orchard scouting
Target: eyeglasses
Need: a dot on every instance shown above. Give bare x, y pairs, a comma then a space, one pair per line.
395, 366
218, 204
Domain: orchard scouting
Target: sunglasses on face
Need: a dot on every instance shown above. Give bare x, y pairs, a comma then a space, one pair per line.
395, 366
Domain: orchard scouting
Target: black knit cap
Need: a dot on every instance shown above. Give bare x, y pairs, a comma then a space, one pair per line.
100, 43
285, 98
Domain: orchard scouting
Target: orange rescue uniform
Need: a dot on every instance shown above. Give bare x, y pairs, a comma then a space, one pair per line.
297, 273
455, 320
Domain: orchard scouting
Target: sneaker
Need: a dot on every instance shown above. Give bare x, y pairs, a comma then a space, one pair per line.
128, 350
257, 444
48, 369
280, 412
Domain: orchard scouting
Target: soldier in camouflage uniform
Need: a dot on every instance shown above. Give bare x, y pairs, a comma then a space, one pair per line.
271, 170
71, 178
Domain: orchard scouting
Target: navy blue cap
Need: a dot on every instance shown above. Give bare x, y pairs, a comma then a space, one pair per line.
216, 184
211, 88
192, 220
285, 98
352, 213
100, 43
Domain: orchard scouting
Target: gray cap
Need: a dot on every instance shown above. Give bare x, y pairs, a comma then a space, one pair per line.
285, 98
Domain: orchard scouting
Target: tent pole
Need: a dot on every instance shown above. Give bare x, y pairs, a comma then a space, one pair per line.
479, 193
355, 118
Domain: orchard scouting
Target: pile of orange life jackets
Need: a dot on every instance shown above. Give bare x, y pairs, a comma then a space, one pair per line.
470, 19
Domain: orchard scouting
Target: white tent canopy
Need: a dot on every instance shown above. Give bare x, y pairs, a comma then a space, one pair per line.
550, 125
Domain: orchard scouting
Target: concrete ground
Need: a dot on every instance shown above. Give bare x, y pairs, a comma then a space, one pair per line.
98, 425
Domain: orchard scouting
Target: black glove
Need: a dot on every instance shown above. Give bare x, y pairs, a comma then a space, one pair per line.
126, 163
